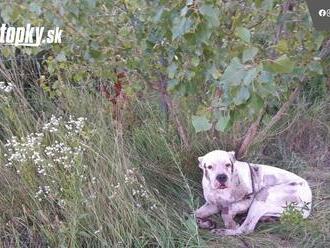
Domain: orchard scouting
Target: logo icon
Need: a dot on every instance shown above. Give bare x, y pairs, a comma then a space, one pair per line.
322, 12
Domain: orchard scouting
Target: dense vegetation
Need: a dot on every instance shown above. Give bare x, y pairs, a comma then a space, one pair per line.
99, 134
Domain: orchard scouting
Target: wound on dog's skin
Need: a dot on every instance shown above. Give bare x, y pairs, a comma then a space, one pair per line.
291, 198
225, 210
262, 195
247, 197
270, 180
295, 183
291, 191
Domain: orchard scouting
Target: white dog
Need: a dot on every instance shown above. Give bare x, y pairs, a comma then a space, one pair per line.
233, 187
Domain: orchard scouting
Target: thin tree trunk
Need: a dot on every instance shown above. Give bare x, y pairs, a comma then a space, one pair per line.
249, 137
179, 126
162, 87
252, 133
282, 111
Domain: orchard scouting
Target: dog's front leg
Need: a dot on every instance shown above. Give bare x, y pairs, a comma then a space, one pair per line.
203, 212
228, 214
228, 218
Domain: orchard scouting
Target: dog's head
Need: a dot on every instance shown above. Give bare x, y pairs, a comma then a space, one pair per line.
218, 168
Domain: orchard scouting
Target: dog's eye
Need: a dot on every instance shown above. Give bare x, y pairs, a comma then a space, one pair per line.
228, 165
209, 167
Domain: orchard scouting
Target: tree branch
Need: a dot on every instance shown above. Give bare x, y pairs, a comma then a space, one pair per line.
249, 136
280, 113
252, 133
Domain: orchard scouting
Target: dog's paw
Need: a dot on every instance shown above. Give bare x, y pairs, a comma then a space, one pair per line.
233, 225
219, 231
224, 232
269, 219
205, 223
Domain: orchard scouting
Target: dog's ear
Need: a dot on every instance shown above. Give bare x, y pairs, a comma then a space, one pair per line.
232, 156
200, 159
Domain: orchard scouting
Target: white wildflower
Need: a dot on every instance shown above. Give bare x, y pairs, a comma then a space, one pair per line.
61, 203
138, 205
6, 87
52, 125
153, 206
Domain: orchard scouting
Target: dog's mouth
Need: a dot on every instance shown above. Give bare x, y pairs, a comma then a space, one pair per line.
220, 185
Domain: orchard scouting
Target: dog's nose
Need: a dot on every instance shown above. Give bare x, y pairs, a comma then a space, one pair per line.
222, 178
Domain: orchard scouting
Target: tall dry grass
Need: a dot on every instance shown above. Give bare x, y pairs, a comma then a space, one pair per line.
75, 182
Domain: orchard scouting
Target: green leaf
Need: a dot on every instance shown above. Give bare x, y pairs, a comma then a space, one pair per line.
6, 51
201, 123
195, 61
215, 73
171, 70
79, 76
267, 5
96, 54
249, 54
282, 46
234, 73
91, 3
60, 57
316, 66
158, 15
242, 96
250, 76
172, 83
184, 11
222, 123
281, 65
244, 34
267, 89
211, 14
35, 8
318, 40
190, 74
203, 34
181, 25
255, 104
266, 77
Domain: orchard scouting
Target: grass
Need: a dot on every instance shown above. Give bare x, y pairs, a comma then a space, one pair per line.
138, 191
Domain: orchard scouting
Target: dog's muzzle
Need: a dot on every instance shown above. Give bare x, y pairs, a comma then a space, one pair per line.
221, 180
